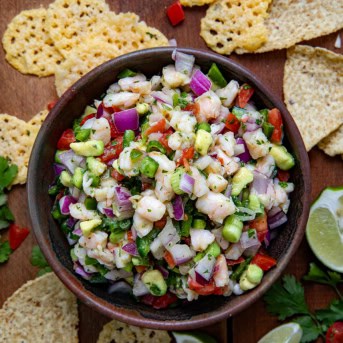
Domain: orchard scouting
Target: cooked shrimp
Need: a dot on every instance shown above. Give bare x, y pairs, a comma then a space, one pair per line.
101, 130
135, 84
163, 189
266, 165
150, 208
216, 183
182, 121
229, 163
125, 163
227, 142
103, 256
141, 225
180, 140
221, 274
125, 99
96, 240
201, 239
228, 94
172, 78
164, 163
209, 106
200, 186
257, 143
79, 211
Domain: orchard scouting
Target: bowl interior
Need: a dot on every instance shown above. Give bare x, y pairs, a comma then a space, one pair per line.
55, 246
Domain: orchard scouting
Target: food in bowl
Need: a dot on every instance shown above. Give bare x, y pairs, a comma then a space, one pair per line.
173, 184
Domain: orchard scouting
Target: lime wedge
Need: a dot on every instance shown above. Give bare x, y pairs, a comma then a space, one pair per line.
324, 230
287, 333
192, 337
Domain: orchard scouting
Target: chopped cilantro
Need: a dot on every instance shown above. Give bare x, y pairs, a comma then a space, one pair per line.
5, 251
38, 260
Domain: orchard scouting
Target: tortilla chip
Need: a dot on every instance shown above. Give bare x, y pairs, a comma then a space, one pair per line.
313, 91
28, 45
71, 21
333, 144
16, 141
42, 310
292, 21
39, 118
191, 3
231, 24
115, 331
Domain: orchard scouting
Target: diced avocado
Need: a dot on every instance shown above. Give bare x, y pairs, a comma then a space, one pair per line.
154, 281
57, 155
203, 141
254, 273
245, 284
142, 108
88, 225
254, 204
240, 180
89, 148
66, 179
78, 177
88, 110
213, 249
283, 159
95, 166
232, 230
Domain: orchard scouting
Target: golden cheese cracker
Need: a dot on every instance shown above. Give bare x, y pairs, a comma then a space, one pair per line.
16, 141
40, 311
28, 45
292, 21
71, 22
115, 331
333, 144
191, 3
313, 91
231, 24
39, 118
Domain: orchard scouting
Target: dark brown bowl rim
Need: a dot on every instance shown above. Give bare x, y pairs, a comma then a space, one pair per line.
134, 317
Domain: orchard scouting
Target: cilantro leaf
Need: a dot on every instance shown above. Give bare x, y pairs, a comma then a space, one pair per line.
37, 258
3, 199
287, 299
6, 214
5, 251
4, 224
7, 173
310, 329
43, 271
332, 314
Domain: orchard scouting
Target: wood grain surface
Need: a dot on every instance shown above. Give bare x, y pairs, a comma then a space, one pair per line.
24, 96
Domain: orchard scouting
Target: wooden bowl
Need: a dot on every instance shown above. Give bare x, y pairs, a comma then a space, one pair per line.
53, 243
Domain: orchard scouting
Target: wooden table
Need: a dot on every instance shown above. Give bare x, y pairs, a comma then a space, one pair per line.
24, 96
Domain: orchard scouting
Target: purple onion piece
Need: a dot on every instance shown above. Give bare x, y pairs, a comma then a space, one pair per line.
71, 160
65, 202
131, 249
187, 183
183, 62
108, 212
200, 280
126, 120
205, 267
58, 168
77, 232
200, 83
228, 190
277, 220
181, 253
71, 222
100, 111
80, 271
178, 208
245, 157
260, 183
162, 97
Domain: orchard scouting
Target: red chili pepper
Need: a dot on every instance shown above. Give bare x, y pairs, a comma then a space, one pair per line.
117, 176
274, 118
265, 262
84, 119
283, 175
232, 123
175, 13
244, 95
51, 105
66, 139
17, 235
335, 333
234, 262
112, 151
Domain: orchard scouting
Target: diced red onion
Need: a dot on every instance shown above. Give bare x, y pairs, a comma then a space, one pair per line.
273, 211
80, 271
139, 288
277, 220
200, 280
76, 193
181, 253
162, 97
217, 128
58, 168
131, 248
228, 190
108, 212
71, 160
169, 236
70, 240
178, 208
205, 267
260, 183
126, 120
120, 287
164, 271
267, 239
183, 62
246, 241
100, 111
187, 183
245, 156
122, 199
249, 127
88, 123
71, 222
251, 251
200, 83
77, 232
234, 252
65, 202
239, 149
218, 233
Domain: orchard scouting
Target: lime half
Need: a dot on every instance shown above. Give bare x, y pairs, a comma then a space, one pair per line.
324, 230
287, 333
192, 337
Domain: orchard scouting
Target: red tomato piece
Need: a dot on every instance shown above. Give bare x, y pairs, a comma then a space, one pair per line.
117, 176
164, 301
283, 175
192, 108
232, 123
274, 118
129, 236
187, 154
335, 333
112, 151
84, 119
175, 13
160, 126
66, 139
169, 259
234, 262
265, 262
146, 185
148, 299
201, 289
51, 105
160, 224
244, 95
141, 269
17, 235
260, 223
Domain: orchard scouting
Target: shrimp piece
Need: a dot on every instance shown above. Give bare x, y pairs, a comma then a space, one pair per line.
164, 163
228, 94
209, 106
135, 84
125, 99
221, 274
215, 167
201, 239
141, 225
227, 143
257, 143
121, 257
150, 208
180, 140
125, 163
101, 130
183, 121
229, 163
163, 189
216, 205
200, 186
104, 256
266, 165
114, 88
216, 183
96, 240
79, 211
172, 78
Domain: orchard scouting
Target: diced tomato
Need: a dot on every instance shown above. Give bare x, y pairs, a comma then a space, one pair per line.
265, 262
160, 126
260, 223
160, 224
117, 176
164, 140
335, 333
187, 240
148, 299
244, 95
261, 235
164, 301
141, 269
234, 262
129, 236
114, 131
146, 185
187, 154
17, 235
201, 289
232, 123
175, 13
51, 105
274, 118
89, 116
219, 290
112, 151
192, 108
283, 175
66, 139
169, 259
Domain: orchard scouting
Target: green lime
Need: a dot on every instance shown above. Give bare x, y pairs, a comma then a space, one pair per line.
324, 230
286, 333
192, 337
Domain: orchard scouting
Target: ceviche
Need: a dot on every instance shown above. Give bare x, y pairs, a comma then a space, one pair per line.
172, 187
